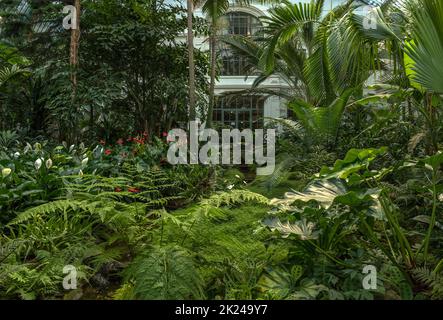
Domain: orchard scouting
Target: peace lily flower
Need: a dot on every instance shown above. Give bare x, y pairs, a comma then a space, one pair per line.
80, 173
38, 163
85, 161
37, 146
27, 148
48, 163
16, 155
6, 172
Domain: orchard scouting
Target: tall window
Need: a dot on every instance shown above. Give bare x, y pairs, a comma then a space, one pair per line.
240, 112
241, 23
236, 23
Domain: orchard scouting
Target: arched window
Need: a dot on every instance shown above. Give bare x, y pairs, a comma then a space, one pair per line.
236, 23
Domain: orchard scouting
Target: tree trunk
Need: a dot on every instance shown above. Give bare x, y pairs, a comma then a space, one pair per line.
192, 111
212, 44
73, 62
75, 40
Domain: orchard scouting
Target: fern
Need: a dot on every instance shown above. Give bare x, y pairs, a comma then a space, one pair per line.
48, 208
164, 273
234, 197
211, 207
431, 279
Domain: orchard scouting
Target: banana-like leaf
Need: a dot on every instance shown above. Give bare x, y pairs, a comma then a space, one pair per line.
326, 193
355, 161
322, 191
302, 228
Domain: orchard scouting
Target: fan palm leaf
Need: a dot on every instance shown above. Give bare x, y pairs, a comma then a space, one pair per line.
426, 49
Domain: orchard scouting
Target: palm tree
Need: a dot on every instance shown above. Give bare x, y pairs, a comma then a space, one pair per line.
412, 31
296, 47
325, 71
306, 49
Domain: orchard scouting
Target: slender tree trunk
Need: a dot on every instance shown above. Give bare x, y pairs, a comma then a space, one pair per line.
212, 44
68, 133
75, 40
433, 144
192, 99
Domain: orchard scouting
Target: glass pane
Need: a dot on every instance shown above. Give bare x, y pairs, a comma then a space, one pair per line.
236, 23
240, 112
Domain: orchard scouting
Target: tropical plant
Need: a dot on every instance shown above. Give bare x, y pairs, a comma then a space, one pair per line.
164, 273
321, 124
426, 46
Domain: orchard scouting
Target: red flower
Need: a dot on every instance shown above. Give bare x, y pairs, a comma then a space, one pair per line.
120, 141
102, 142
108, 152
129, 139
133, 190
165, 134
145, 133
118, 189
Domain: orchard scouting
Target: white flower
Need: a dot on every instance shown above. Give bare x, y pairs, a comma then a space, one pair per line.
38, 164
48, 163
85, 161
6, 172
27, 148
16, 155
80, 173
230, 187
440, 197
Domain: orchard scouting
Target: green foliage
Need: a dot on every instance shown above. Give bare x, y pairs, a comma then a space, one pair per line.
164, 273
426, 46
432, 279
321, 123
126, 219
8, 139
141, 70
7, 73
